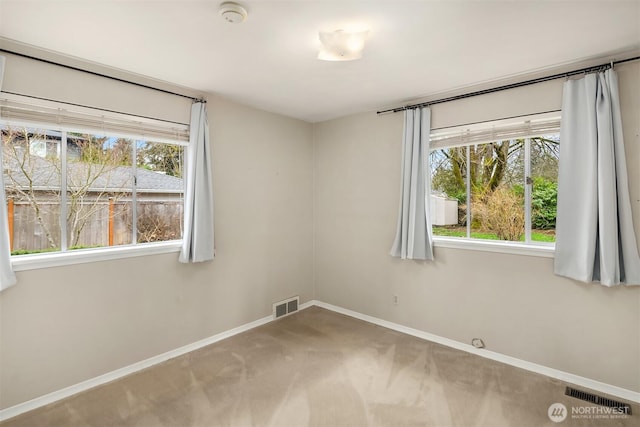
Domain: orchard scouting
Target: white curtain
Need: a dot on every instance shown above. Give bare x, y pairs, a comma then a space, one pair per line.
595, 237
198, 243
413, 235
7, 276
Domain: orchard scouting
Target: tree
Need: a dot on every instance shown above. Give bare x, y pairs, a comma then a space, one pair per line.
93, 179
28, 178
122, 151
34, 175
166, 158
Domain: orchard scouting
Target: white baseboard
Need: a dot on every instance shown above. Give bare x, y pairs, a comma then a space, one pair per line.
47, 399
519, 363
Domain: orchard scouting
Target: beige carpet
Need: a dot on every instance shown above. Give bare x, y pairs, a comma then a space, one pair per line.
320, 368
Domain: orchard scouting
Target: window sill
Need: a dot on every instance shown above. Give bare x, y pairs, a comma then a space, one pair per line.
81, 256
533, 249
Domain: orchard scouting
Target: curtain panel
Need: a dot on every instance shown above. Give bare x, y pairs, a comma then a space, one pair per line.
198, 237
7, 276
595, 239
413, 232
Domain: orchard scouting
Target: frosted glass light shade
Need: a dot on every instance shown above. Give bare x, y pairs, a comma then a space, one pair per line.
341, 45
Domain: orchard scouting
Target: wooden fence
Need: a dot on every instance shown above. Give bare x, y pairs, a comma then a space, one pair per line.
108, 224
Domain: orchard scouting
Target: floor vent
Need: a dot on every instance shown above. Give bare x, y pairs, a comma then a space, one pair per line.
288, 306
622, 408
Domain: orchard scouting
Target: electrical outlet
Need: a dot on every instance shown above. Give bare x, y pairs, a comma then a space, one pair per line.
395, 300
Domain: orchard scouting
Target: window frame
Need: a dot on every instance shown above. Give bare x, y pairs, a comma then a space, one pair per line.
65, 256
499, 246
543, 123
83, 256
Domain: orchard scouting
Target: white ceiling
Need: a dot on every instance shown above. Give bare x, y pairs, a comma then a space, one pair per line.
415, 48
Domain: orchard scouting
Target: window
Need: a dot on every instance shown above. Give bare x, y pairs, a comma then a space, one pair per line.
496, 181
70, 188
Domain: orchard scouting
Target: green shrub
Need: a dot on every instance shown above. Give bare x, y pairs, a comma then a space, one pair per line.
544, 197
461, 197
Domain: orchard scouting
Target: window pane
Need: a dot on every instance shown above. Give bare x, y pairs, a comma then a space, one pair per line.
544, 172
31, 168
159, 192
99, 186
448, 204
498, 185
497, 196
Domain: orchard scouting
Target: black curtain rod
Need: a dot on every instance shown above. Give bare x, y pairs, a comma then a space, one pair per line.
601, 67
70, 67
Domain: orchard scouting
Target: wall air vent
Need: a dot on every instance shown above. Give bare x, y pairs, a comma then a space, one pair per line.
621, 408
285, 307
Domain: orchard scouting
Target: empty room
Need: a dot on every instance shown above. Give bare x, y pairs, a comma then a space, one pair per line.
319, 213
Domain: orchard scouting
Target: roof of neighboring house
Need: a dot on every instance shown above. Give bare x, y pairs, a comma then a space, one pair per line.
152, 181
45, 174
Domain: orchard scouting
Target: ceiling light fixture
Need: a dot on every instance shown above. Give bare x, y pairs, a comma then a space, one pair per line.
232, 12
340, 45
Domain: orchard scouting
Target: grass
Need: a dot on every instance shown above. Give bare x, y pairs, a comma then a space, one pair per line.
45, 250
33, 251
449, 231
543, 236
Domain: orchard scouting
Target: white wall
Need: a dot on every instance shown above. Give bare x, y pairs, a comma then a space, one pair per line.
515, 303
60, 326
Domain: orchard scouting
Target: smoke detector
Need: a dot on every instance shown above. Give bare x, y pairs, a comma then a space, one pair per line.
232, 12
